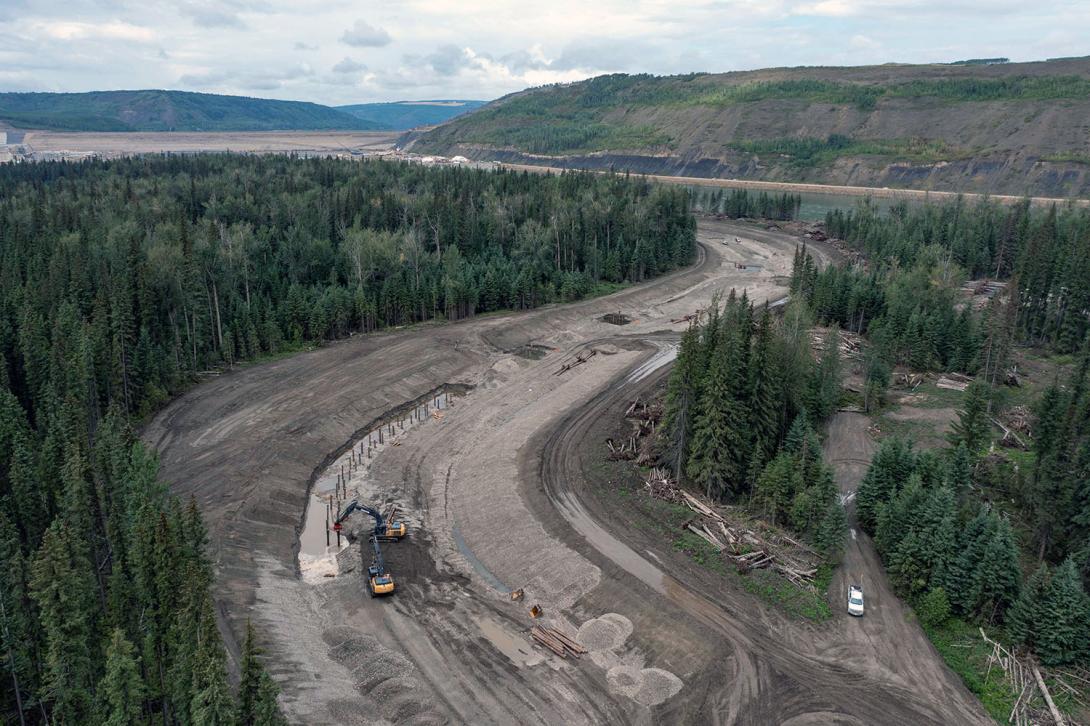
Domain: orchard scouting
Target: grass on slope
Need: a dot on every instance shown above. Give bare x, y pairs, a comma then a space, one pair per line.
575, 118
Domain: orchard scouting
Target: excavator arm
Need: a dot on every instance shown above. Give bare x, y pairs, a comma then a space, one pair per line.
393, 530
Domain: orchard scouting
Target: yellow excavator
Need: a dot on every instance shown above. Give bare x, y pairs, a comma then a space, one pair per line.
379, 580
384, 531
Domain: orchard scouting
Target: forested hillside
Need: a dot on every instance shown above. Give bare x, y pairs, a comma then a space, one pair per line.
156, 110
120, 280
1005, 128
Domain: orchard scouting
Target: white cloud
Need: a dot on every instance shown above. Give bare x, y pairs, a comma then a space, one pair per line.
363, 35
862, 42
112, 30
347, 65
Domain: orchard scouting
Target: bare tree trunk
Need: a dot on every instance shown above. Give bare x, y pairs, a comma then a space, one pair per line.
219, 323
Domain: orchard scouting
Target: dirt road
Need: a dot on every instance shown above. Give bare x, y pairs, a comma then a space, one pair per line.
919, 195
452, 647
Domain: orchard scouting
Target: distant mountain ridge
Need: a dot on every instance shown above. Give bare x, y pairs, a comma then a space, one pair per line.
981, 125
405, 115
159, 110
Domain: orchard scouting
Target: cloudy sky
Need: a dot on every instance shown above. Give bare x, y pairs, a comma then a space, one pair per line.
339, 51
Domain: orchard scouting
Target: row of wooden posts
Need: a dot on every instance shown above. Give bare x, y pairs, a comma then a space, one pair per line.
374, 438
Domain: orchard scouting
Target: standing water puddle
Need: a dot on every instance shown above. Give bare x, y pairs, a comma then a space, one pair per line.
348, 478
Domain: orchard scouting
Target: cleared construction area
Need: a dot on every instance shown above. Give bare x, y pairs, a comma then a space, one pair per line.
500, 525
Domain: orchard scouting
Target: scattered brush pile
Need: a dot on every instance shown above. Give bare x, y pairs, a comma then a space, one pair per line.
954, 381
640, 444
747, 542
1025, 680
851, 344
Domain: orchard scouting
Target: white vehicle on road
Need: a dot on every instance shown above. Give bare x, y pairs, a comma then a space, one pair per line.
855, 601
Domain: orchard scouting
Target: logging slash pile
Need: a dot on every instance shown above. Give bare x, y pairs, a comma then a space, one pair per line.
745, 541
1025, 680
640, 443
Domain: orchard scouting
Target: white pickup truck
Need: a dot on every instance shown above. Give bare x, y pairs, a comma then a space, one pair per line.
855, 601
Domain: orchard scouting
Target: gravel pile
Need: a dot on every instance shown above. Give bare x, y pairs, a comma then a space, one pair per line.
607, 632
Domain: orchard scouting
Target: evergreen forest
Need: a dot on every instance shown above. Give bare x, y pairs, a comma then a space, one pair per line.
121, 280
968, 532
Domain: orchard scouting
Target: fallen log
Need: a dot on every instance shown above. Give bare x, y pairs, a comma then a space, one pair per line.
719, 546
553, 645
1056, 715
570, 643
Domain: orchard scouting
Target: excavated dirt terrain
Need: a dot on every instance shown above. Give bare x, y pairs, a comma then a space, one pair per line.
495, 496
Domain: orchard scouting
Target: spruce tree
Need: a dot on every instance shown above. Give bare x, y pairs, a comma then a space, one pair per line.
889, 469
1027, 613
682, 393
63, 588
256, 690
765, 394
972, 427
1063, 633
959, 473
121, 690
831, 532
18, 637
774, 490
997, 578
210, 703
959, 580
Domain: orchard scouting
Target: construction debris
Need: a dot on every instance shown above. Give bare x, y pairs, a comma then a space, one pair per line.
557, 642
580, 359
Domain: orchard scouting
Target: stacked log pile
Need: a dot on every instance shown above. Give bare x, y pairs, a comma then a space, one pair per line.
851, 344
556, 641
